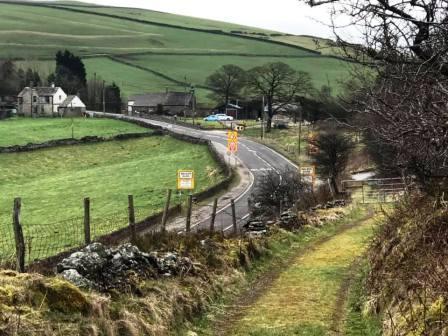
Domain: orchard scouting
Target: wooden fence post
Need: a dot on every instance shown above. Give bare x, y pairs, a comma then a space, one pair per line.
87, 238
165, 211
189, 210
212, 222
235, 228
131, 213
18, 235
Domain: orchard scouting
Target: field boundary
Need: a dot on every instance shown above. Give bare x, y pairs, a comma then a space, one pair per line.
71, 142
156, 73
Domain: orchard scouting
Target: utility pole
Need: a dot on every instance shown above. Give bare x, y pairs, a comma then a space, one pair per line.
104, 96
94, 91
300, 133
262, 117
193, 97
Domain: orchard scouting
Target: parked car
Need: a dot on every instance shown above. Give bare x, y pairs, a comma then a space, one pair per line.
218, 117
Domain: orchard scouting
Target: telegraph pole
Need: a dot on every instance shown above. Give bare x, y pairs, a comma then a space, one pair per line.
262, 118
192, 91
104, 96
94, 91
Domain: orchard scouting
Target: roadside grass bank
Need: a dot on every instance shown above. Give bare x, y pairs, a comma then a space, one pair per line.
304, 299
53, 183
20, 131
282, 249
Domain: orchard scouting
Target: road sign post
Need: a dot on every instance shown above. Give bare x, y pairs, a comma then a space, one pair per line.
308, 173
185, 180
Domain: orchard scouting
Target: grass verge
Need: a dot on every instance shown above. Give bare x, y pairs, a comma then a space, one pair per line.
357, 323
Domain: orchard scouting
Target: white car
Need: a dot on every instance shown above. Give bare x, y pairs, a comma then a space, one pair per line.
218, 117
224, 117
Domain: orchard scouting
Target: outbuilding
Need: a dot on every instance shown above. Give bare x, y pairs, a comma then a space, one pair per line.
72, 107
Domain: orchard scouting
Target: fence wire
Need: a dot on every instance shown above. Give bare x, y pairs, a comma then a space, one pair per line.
7, 245
43, 240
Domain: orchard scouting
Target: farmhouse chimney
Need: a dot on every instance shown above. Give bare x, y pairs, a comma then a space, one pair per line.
52, 85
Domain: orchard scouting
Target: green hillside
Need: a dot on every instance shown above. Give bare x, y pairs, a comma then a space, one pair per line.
147, 51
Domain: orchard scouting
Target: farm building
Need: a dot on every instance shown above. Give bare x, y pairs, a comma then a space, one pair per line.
161, 103
233, 110
8, 105
72, 107
40, 101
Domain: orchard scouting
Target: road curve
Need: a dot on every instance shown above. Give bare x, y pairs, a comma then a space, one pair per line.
256, 157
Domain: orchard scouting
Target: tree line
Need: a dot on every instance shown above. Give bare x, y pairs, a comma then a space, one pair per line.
277, 83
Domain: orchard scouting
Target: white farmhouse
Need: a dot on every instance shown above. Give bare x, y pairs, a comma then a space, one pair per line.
40, 101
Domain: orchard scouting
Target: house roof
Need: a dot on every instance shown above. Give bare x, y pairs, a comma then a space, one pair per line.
68, 101
162, 98
41, 91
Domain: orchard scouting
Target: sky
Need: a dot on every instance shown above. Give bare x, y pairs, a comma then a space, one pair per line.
288, 16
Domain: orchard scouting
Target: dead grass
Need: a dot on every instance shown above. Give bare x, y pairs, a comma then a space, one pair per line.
408, 280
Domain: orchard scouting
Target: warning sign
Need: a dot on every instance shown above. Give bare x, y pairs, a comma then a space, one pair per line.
232, 142
185, 179
308, 173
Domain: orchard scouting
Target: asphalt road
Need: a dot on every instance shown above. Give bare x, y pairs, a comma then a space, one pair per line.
258, 158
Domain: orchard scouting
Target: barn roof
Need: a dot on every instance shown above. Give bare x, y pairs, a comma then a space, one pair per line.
162, 98
68, 101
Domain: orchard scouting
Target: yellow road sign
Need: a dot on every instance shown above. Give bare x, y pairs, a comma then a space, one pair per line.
232, 141
185, 180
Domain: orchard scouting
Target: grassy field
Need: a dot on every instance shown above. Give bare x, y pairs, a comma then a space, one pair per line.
20, 131
196, 69
216, 124
32, 31
286, 141
173, 19
53, 182
35, 33
307, 42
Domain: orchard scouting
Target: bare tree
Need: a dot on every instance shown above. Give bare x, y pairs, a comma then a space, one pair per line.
332, 155
227, 82
279, 84
276, 190
402, 100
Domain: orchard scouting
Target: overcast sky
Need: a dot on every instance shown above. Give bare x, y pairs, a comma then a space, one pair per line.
290, 16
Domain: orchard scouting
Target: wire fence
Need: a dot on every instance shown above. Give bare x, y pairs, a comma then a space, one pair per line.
44, 240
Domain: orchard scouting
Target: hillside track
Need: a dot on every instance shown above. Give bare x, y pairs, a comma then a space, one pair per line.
305, 294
